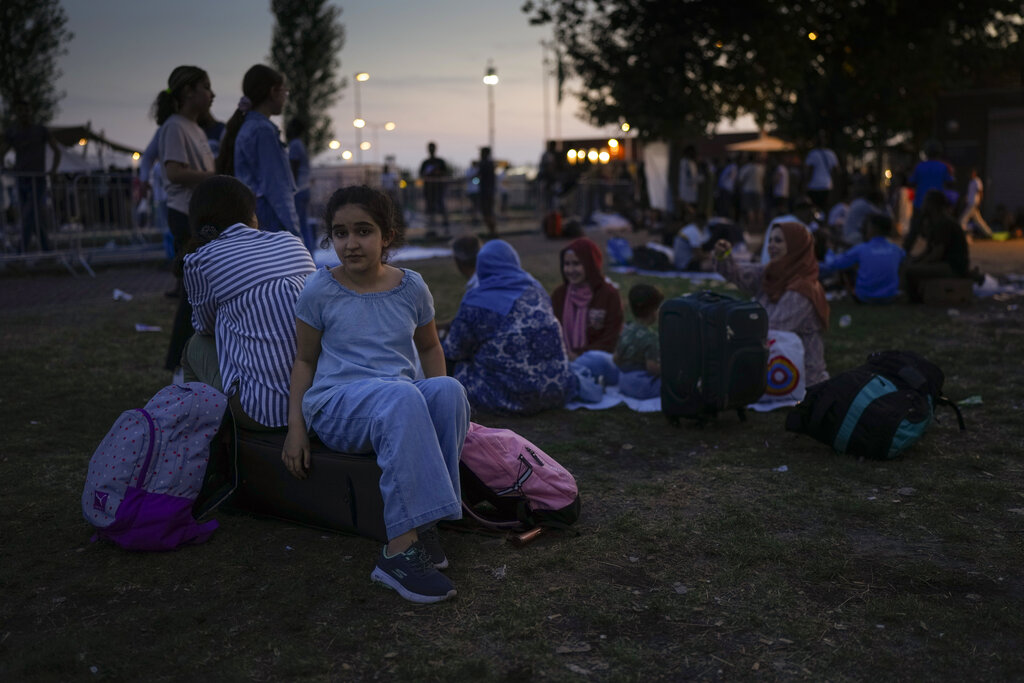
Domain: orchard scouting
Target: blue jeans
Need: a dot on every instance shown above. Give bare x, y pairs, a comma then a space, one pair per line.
600, 364
417, 429
307, 233
639, 384
268, 218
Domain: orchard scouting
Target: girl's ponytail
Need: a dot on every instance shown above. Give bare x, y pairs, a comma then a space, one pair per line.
226, 157
163, 106
166, 102
257, 84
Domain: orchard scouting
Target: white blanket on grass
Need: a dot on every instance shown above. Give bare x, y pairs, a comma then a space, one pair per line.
612, 398
688, 274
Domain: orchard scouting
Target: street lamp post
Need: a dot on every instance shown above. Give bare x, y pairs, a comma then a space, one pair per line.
490, 80
358, 122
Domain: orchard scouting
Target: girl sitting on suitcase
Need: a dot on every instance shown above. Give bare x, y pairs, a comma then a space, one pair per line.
788, 288
360, 326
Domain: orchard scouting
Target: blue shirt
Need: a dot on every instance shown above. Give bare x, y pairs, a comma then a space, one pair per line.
297, 153
929, 175
262, 164
878, 268
364, 336
243, 287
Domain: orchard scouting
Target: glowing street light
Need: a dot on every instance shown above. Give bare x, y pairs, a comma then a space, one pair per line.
375, 127
346, 155
334, 145
490, 80
359, 122
624, 127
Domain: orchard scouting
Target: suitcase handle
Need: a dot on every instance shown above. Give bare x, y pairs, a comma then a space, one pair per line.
712, 297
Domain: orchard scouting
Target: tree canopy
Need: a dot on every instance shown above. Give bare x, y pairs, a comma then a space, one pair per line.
861, 70
33, 34
305, 45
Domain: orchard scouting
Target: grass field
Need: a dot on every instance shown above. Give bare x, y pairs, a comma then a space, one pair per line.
695, 559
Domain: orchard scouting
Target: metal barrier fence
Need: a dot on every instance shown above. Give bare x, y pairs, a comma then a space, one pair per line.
77, 219
517, 199
70, 218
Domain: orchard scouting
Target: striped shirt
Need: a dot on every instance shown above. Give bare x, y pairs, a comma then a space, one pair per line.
243, 287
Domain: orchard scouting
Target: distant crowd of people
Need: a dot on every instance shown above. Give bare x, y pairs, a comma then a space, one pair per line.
353, 356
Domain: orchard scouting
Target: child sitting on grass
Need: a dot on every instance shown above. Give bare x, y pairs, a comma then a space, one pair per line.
637, 355
877, 261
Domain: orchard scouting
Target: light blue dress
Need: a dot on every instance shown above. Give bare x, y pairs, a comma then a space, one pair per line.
364, 399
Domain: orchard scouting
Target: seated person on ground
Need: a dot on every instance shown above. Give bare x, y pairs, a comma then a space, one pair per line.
505, 344
637, 355
688, 245
589, 309
788, 288
945, 254
360, 327
464, 251
586, 305
804, 213
868, 201
877, 261
242, 284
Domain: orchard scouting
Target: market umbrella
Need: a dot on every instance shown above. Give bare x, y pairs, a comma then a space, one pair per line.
762, 143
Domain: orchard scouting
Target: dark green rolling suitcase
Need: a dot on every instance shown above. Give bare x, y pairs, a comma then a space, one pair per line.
714, 355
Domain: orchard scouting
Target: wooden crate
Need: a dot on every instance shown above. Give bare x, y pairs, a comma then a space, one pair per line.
947, 291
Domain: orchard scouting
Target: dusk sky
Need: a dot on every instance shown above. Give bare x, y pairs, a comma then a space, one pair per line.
425, 60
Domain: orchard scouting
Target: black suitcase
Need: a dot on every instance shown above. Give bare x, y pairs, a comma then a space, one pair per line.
341, 493
714, 355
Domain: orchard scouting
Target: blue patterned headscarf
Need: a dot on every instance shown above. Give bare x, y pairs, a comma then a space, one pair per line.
502, 280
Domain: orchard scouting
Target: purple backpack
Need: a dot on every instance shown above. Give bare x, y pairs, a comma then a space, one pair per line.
148, 471
509, 483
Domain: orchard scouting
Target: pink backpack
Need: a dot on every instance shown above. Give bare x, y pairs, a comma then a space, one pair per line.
148, 471
509, 483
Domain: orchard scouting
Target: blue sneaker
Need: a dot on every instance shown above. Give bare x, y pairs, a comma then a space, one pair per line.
432, 544
413, 575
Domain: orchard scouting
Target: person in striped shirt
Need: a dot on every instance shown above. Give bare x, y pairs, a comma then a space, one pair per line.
242, 284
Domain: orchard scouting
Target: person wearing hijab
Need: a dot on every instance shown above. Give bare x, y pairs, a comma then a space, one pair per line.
788, 288
505, 345
588, 307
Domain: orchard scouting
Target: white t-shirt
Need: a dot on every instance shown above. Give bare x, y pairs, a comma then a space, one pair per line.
695, 235
821, 161
974, 192
688, 181
727, 181
780, 182
752, 178
182, 140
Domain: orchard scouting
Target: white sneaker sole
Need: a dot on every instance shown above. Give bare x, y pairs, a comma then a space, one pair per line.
391, 582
